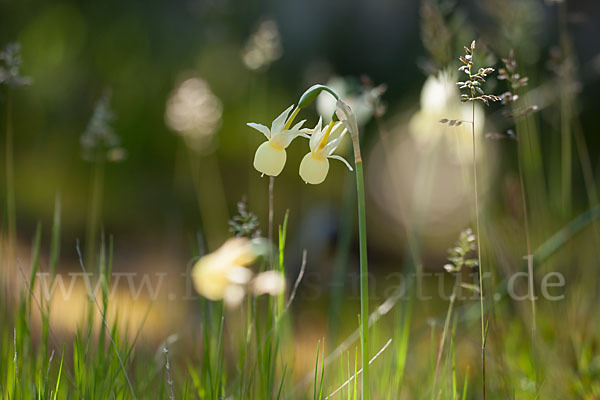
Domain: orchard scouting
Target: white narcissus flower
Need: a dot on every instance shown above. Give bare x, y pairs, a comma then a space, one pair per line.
221, 272
270, 156
269, 282
440, 99
225, 274
323, 142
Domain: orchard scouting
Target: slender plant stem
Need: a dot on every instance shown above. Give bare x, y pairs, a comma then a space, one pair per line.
168, 369
588, 172
270, 234
350, 121
566, 151
528, 242
94, 300
479, 252
529, 256
364, 282
444, 334
94, 213
271, 202
10, 184
565, 112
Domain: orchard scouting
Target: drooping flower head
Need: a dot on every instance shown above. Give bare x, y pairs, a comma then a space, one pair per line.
323, 143
270, 156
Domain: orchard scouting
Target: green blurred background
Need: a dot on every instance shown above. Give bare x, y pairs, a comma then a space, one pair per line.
139, 51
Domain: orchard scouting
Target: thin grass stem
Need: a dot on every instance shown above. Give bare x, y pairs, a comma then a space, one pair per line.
528, 243
94, 212
95, 300
10, 184
444, 335
476, 192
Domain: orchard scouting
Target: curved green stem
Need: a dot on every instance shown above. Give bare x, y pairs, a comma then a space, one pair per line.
343, 111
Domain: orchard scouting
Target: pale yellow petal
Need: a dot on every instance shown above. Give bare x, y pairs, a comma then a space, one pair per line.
269, 282
210, 277
313, 170
233, 295
269, 160
215, 272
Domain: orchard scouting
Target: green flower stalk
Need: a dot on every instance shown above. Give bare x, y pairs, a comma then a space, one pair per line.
347, 117
270, 159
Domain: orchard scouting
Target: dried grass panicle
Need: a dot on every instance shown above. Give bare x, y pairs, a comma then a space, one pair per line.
516, 81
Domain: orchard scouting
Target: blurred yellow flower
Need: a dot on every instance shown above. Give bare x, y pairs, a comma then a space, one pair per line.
225, 274
270, 156
323, 142
268, 282
227, 266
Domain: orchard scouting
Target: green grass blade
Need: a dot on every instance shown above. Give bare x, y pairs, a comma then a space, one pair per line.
35, 255
56, 389
560, 238
282, 382
402, 352
322, 370
316, 372
466, 385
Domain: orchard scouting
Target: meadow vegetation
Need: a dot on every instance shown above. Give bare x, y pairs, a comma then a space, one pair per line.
485, 184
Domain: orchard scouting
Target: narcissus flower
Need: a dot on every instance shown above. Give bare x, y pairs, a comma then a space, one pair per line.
268, 282
323, 142
227, 266
270, 156
225, 274
439, 100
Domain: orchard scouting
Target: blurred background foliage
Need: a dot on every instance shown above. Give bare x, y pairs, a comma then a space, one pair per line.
229, 62
76, 51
